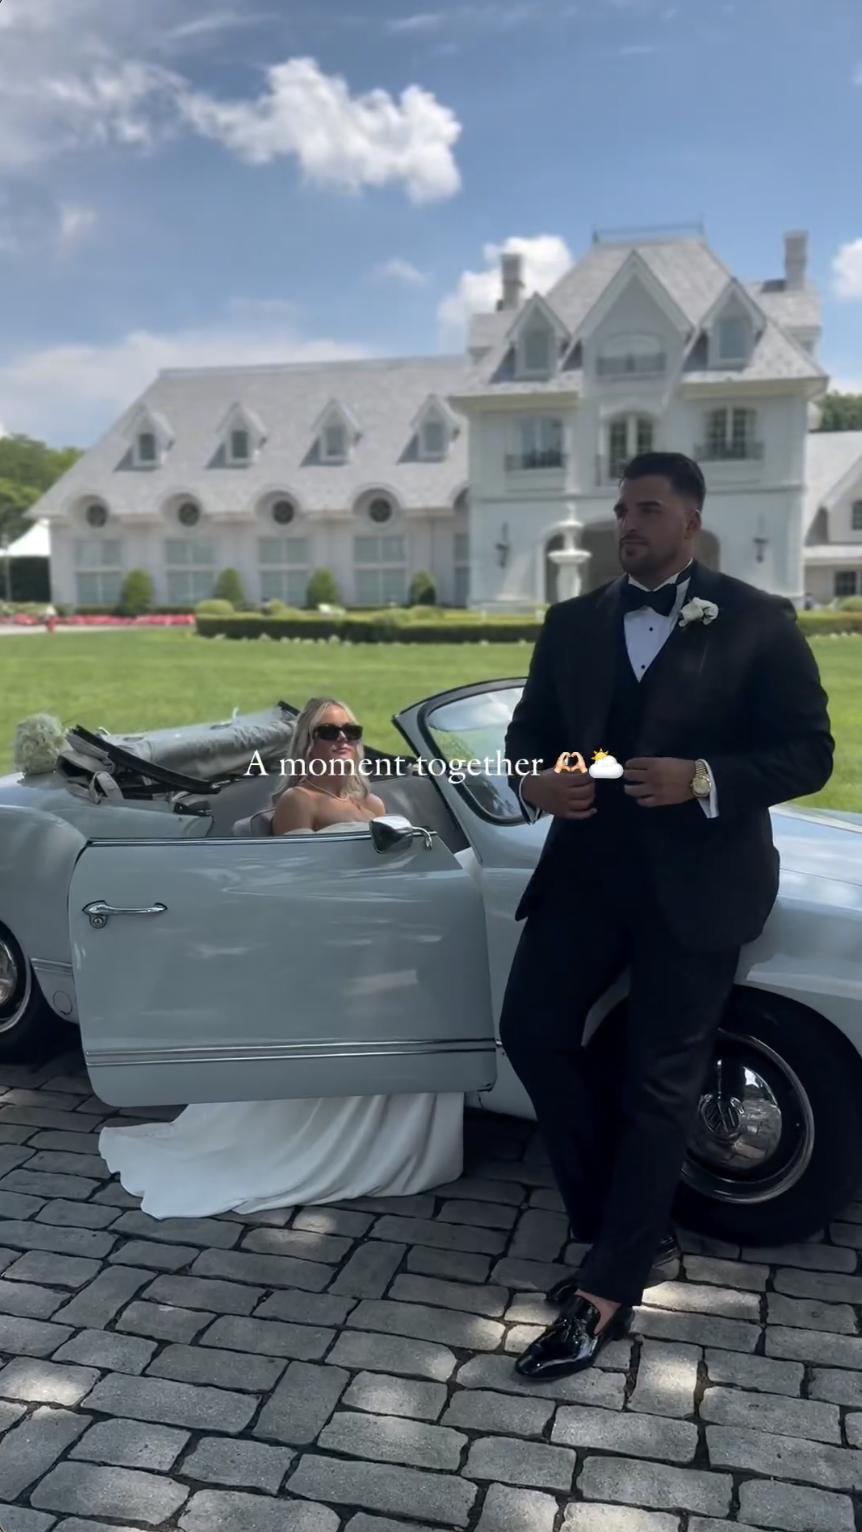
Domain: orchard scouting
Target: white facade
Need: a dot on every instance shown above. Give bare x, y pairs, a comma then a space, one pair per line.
476, 468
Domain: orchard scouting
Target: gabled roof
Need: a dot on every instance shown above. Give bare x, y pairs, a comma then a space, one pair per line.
239, 411
691, 275
536, 305
832, 458
143, 418
434, 402
335, 407
633, 269
734, 290
792, 307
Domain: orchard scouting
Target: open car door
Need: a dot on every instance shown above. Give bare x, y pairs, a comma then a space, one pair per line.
347, 963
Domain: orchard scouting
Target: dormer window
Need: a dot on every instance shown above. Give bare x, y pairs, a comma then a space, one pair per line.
240, 446
434, 428
148, 448
335, 442
336, 433
433, 438
732, 337
537, 349
150, 437
733, 328
242, 436
537, 336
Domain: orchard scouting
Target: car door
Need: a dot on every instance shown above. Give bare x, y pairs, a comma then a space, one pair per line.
340, 964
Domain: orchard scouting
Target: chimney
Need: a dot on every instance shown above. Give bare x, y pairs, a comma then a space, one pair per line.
795, 260
513, 280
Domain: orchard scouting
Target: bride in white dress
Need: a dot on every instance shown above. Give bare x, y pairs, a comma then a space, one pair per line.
247, 1157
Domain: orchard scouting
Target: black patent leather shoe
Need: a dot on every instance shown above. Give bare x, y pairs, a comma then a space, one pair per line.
664, 1268
573, 1342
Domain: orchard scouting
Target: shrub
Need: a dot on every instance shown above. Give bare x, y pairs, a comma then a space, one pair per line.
229, 587
322, 590
850, 604
423, 591
137, 595
215, 606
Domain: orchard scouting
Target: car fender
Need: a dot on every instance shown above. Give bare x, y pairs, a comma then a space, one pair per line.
37, 853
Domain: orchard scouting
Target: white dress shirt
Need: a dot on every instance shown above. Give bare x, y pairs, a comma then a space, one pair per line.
646, 633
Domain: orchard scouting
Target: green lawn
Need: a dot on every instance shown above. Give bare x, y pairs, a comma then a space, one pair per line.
151, 679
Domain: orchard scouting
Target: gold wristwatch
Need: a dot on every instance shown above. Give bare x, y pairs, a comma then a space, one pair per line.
701, 782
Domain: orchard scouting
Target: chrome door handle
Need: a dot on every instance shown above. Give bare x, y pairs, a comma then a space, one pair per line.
99, 912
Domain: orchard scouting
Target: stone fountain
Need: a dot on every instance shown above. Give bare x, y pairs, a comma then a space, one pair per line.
571, 558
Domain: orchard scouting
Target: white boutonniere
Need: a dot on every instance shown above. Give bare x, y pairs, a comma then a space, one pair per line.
698, 610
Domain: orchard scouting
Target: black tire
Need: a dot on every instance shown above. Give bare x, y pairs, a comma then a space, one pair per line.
814, 1076
28, 1026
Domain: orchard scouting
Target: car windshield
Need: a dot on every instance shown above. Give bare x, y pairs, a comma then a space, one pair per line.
473, 730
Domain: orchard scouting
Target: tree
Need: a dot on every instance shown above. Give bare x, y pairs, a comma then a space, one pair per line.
322, 590
229, 587
27, 469
841, 412
423, 591
137, 595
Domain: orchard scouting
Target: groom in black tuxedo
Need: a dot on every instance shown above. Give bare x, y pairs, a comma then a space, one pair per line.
707, 692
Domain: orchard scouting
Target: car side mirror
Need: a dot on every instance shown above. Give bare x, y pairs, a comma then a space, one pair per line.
392, 832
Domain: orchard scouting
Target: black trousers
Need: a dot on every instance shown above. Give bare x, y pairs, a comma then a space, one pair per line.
615, 1115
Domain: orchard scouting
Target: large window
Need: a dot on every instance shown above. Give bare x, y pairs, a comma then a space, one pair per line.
98, 572
540, 444
190, 570
631, 356
848, 582
627, 437
731, 436
381, 570
284, 569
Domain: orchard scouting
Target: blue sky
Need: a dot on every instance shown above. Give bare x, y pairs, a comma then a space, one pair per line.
185, 183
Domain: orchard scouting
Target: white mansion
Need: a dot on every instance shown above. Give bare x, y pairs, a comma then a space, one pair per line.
480, 468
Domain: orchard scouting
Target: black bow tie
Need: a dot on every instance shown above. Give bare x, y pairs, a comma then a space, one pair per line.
662, 600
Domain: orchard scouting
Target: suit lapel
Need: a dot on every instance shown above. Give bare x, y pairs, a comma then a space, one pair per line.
676, 674
597, 668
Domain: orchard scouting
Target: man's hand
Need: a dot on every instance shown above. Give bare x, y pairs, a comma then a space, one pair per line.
658, 781
566, 795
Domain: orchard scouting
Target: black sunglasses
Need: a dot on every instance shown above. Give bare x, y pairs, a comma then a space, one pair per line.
352, 732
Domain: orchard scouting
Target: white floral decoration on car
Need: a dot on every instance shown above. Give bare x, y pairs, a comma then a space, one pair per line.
38, 742
698, 610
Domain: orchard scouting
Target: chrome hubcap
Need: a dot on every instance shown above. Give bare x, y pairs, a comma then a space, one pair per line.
15, 985
754, 1131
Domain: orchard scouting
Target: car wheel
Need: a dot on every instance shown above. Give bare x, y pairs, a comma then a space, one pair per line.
776, 1152
27, 1022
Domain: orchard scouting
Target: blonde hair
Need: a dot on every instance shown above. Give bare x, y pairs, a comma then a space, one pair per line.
355, 785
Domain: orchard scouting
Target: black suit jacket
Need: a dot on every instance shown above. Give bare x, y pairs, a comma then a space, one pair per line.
742, 692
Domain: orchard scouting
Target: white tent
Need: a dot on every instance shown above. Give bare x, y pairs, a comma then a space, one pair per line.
35, 544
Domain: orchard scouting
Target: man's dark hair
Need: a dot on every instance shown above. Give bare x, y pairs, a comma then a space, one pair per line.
681, 471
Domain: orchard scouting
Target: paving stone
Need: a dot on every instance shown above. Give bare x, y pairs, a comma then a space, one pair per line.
445, 1498
811, 1314
53, 1163
70, 1271
756, 1372
386, 1439
76, 1215
507, 1509
853, 1428
551, 1201
694, 1298
814, 1346
333, 1221
212, 1296
363, 1523
305, 1308
115, 1195
162, 1321
698, 1329
507, 1461
29, 1301
441, 1236
381, 1394
540, 1236
231, 1511
421, 1206
60, 1101
733, 1274
249, 1465
642, 1436
784, 1457
207, 1232
469, 1332
481, 1410
14, 1205
36, 1185
9, 1414
502, 1170
107, 1351
369, 1271
666, 1379
133, 1444
846, 1234
172, 1404
30, 1337
481, 1215
811, 1256
298, 1245
221, 1369
16, 1518
269, 1337
586, 1517
794, 1508
361, 1351
782, 1416
531, 1309
838, 1387
457, 1265
38, 1236
302, 1404
263, 1270
116, 1492
31, 1448
38, 1382
656, 1484
95, 1306
825, 1286
145, 1252
42, 1117
604, 1389
83, 1143
531, 1276
13, 1155
474, 1189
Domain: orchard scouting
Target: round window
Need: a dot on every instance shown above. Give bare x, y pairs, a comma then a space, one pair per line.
283, 512
380, 511
189, 514
96, 515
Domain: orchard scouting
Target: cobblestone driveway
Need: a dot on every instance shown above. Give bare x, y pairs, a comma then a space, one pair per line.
351, 1368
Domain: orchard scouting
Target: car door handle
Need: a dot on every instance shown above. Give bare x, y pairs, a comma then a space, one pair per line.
99, 913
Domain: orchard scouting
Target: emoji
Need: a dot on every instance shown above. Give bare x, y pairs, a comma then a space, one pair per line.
566, 757
605, 766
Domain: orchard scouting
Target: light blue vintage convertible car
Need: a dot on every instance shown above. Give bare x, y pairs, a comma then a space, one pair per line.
203, 961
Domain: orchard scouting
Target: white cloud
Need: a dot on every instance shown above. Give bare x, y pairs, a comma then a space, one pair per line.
546, 258
423, 21
847, 270
404, 273
70, 393
75, 224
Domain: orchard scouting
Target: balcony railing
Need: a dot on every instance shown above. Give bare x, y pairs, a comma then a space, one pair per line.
719, 451
528, 462
651, 365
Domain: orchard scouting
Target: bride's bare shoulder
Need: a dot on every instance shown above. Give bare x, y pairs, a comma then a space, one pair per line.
294, 810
